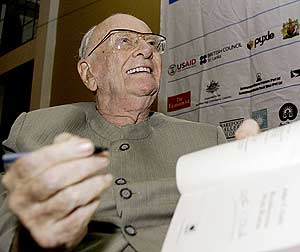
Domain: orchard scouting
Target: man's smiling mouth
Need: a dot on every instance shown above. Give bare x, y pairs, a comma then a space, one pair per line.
139, 70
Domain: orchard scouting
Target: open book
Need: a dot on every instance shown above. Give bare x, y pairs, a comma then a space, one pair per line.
239, 197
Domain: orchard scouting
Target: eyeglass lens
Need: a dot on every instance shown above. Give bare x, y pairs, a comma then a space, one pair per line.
128, 40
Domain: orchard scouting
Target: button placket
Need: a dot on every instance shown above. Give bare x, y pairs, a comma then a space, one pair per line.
130, 230
120, 181
126, 193
124, 147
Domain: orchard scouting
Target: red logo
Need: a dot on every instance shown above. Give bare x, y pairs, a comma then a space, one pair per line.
180, 101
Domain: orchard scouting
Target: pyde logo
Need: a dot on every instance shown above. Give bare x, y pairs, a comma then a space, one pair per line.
259, 41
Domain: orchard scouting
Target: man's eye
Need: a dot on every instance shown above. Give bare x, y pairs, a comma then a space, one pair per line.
124, 40
151, 42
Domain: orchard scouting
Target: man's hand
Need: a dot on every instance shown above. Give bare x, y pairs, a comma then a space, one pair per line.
55, 190
248, 128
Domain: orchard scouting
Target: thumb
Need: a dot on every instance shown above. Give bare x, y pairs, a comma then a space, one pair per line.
249, 127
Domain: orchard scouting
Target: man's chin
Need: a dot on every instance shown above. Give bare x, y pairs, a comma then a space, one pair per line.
146, 92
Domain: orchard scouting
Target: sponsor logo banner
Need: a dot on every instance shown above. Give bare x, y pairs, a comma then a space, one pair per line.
181, 66
261, 116
290, 29
229, 127
172, 1
287, 113
179, 101
259, 41
260, 85
295, 73
213, 96
217, 54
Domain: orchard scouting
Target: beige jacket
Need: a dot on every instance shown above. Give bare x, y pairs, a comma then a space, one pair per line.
135, 213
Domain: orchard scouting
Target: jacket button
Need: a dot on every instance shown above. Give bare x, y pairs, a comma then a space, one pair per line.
124, 147
130, 230
125, 193
120, 181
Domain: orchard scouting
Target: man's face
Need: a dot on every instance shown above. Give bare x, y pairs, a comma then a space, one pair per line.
124, 76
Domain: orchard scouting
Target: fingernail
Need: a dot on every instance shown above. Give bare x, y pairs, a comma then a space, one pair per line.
86, 147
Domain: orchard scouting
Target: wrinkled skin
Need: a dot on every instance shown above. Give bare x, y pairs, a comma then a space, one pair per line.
55, 195
55, 190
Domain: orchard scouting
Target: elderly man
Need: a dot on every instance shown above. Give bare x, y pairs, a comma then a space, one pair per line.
62, 197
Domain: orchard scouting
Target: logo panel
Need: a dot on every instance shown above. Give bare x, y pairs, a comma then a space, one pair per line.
178, 102
261, 84
295, 73
290, 29
230, 127
259, 41
261, 116
217, 54
287, 113
181, 66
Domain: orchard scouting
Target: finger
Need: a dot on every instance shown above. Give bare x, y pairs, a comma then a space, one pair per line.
77, 220
67, 200
248, 128
35, 162
63, 137
68, 231
33, 214
63, 175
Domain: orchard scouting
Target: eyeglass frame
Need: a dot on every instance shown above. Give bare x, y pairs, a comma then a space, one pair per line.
107, 36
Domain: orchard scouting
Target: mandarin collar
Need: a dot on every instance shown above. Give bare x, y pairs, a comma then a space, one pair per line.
111, 132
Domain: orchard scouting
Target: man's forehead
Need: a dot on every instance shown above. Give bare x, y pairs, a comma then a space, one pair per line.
121, 21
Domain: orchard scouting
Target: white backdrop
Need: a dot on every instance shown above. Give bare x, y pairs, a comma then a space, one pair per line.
228, 60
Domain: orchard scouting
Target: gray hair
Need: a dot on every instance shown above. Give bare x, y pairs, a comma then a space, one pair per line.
85, 42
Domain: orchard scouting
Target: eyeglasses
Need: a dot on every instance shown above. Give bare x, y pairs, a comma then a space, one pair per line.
123, 39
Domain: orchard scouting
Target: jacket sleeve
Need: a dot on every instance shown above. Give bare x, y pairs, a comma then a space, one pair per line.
10, 144
8, 221
221, 136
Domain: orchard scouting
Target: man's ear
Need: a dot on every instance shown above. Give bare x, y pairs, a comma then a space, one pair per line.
86, 76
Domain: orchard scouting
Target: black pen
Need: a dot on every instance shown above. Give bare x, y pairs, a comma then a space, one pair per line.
12, 157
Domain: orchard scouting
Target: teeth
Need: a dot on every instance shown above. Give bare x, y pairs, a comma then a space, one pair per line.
139, 69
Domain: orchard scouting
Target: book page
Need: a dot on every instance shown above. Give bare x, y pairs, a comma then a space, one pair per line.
240, 196
256, 214
267, 151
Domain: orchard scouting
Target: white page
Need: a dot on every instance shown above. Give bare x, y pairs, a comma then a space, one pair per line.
255, 214
241, 196
268, 150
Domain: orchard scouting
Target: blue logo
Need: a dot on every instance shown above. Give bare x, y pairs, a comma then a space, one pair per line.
172, 1
261, 116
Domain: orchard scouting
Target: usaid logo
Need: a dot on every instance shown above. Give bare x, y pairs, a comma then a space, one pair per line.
260, 40
181, 66
172, 1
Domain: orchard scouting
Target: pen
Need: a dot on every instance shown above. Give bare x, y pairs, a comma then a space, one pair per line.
11, 157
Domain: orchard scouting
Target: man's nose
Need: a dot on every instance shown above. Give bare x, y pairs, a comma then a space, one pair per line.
144, 49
